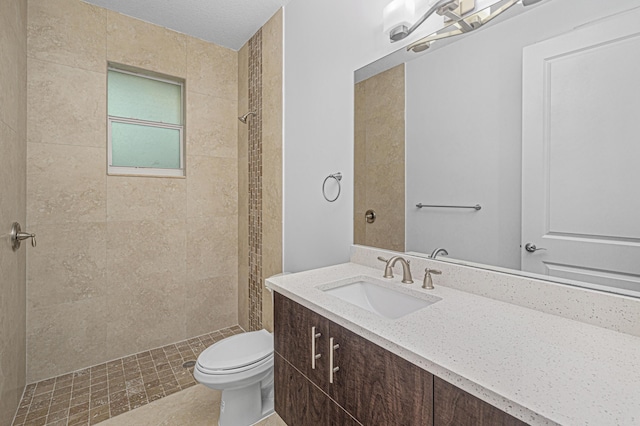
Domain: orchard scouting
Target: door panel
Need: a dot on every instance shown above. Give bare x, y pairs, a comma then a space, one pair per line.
580, 154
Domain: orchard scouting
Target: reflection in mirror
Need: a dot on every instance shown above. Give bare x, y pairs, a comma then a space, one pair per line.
532, 117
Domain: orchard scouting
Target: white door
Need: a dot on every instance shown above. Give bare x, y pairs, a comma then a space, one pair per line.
581, 154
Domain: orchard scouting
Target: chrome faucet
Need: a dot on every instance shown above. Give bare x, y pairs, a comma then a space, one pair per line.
437, 252
388, 269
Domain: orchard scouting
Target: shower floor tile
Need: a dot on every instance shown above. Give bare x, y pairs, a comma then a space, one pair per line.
95, 394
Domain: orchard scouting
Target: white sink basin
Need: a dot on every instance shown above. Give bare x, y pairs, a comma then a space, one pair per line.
380, 300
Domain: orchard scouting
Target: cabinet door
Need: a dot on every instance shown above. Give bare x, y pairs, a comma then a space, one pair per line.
300, 403
297, 400
455, 407
378, 387
293, 325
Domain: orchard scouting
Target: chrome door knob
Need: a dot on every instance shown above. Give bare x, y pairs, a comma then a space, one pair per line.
531, 248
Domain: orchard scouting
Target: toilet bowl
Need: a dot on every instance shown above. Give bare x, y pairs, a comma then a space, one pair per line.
241, 366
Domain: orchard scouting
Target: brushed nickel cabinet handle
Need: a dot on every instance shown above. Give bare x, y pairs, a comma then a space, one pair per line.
314, 355
332, 369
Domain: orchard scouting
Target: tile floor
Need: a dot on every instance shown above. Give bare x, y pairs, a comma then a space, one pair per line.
196, 406
97, 393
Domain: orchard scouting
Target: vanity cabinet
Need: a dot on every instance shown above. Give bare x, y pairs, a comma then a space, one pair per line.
455, 407
368, 382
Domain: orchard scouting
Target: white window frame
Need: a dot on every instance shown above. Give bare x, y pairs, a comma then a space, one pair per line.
145, 171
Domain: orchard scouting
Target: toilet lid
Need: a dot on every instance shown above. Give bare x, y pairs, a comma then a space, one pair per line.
237, 351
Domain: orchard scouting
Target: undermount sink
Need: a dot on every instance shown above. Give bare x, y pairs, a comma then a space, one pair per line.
386, 302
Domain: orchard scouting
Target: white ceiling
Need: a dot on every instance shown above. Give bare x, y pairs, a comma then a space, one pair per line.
228, 23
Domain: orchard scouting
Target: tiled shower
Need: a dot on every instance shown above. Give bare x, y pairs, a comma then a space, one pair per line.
124, 264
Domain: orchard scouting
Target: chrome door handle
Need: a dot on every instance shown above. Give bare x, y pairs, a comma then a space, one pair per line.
332, 369
314, 355
531, 248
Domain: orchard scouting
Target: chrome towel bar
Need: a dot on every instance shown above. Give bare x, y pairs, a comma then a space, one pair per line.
476, 207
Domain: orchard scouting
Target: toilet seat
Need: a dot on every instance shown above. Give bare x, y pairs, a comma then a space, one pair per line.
237, 353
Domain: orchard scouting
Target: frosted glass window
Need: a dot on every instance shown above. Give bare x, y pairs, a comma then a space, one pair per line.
132, 96
145, 118
135, 145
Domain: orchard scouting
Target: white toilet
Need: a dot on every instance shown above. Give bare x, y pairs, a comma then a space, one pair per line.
241, 366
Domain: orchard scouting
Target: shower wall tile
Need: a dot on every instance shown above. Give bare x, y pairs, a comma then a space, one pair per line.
11, 57
140, 198
140, 44
12, 174
211, 126
212, 69
212, 247
53, 33
122, 282
211, 302
255, 181
145, 314
13, 151
69, 264
146, 264
65, 184
272, 69
66, 105
65, 335
379, 147
212, 186
243, 189
137, 250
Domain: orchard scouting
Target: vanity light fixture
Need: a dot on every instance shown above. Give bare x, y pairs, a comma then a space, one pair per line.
399, 12
465, 25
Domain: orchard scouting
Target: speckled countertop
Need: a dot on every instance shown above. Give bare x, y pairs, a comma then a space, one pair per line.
540, 368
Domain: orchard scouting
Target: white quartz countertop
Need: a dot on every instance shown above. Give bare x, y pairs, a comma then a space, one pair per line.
540, 368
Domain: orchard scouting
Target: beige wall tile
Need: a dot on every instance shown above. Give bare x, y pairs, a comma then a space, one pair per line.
13, 149
212, 247
146, 263
63, 336
211, 304
54, 26
212, 186
68, 265
147, 312
379, 146
140, 198
132, 249
271, 159
212, 126
211, 69
12, 176
11, 89
66, 105
151, 47
65, 184
139, 249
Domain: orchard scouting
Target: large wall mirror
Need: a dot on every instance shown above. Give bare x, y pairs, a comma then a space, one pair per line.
520, 140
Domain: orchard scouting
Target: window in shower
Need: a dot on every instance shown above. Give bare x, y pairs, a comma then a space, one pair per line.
145, 123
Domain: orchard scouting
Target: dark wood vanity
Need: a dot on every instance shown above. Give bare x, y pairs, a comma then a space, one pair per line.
328, 375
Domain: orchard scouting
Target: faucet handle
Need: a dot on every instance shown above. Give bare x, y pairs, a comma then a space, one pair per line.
427, 283
382, 259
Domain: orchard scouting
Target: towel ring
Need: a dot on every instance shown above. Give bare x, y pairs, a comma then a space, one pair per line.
338, 178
